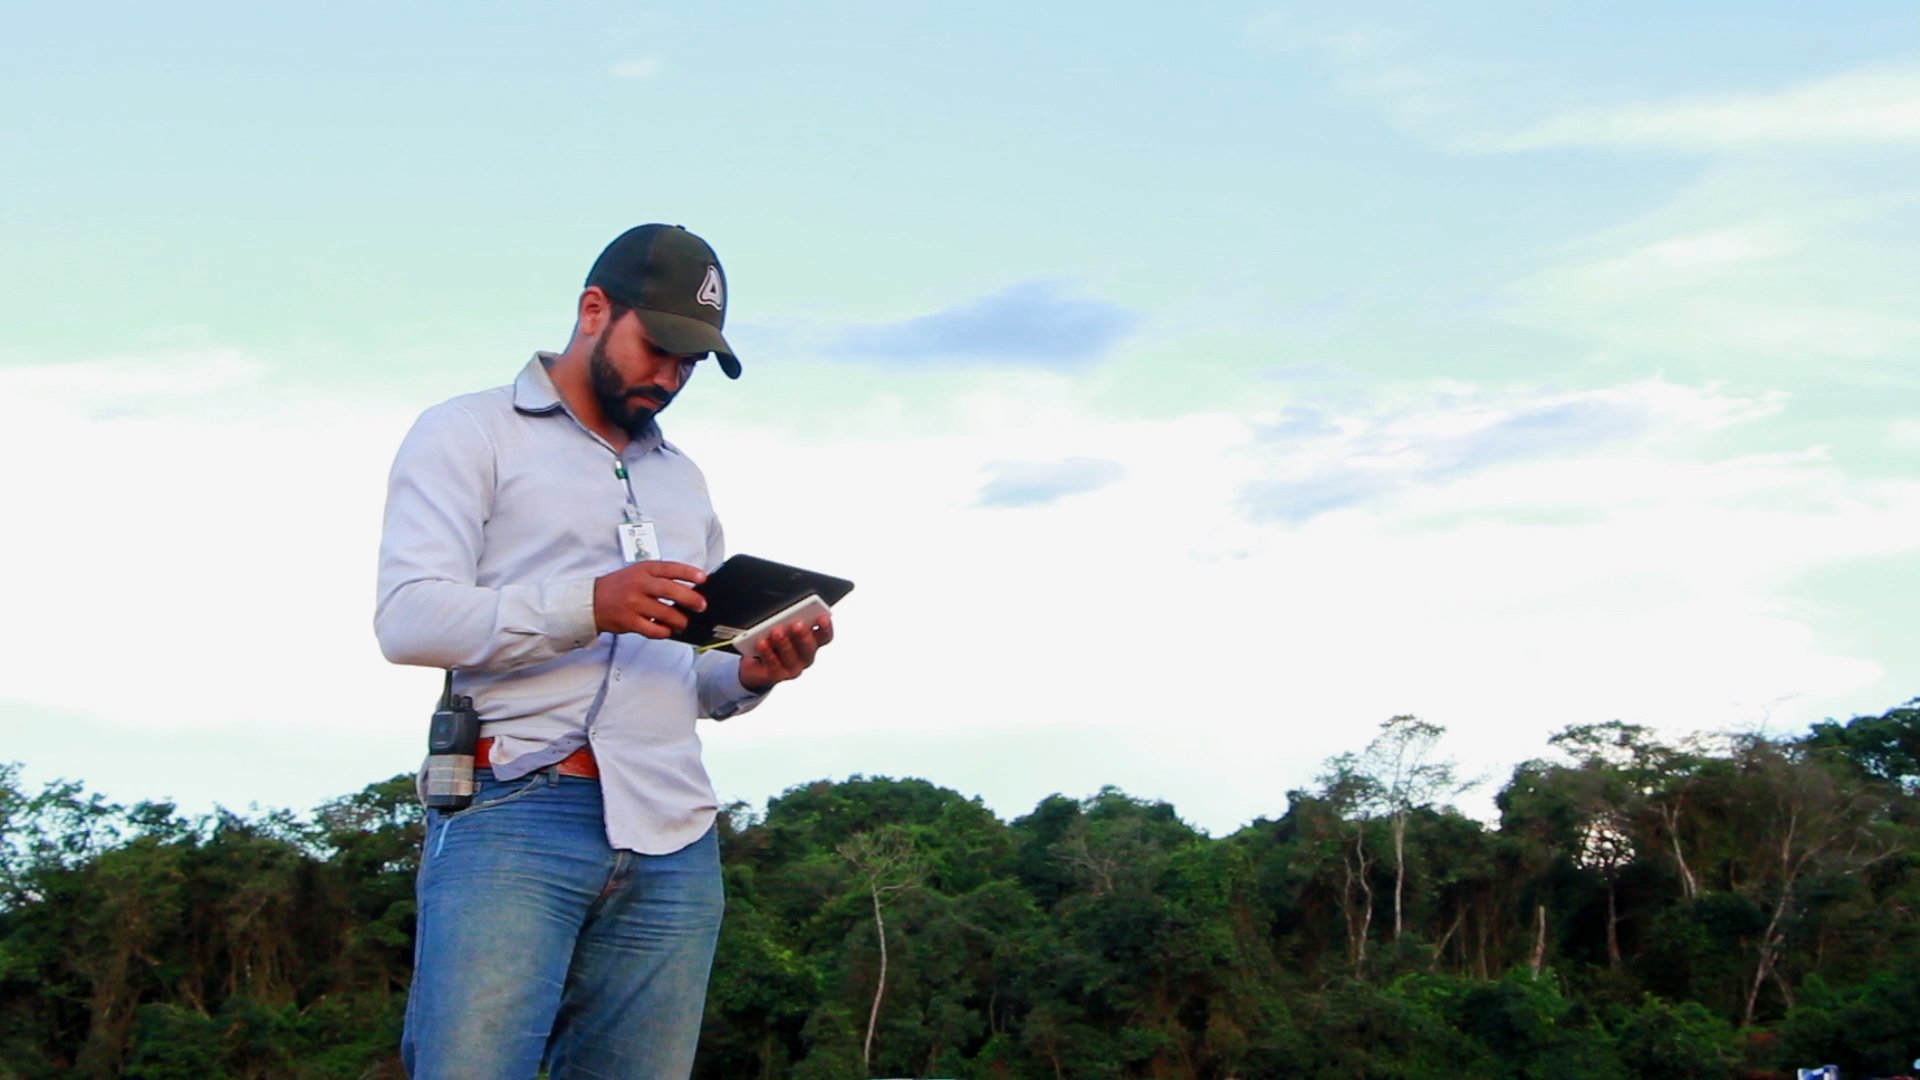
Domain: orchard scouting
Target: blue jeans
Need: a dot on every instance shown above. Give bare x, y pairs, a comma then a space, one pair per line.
537, 942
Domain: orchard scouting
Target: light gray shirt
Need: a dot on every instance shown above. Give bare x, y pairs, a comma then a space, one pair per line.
502, 509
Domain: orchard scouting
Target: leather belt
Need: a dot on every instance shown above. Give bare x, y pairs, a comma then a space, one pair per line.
578, 763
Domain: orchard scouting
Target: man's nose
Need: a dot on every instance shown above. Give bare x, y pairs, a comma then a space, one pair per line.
670, 377
676, 379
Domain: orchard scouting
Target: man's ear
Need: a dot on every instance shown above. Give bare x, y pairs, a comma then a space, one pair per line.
591, 317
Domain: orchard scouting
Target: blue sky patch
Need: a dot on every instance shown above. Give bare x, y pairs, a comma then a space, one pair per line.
1037, 483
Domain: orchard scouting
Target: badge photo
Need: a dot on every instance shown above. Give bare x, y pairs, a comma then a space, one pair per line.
638, 543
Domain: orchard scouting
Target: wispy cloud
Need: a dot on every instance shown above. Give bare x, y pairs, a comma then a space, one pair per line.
1377, 62
1033, 324
1037, 483
645, 67
133, 386
165, 375
1752, 262
1296, 500
1697, 253
1436, 93
1295, 422
1321, 466
1873, 106
1541, 431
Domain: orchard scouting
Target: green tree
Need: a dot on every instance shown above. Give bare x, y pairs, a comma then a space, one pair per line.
1660, 1040
1885, 747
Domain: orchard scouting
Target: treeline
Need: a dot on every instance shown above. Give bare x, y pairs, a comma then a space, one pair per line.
1713, 908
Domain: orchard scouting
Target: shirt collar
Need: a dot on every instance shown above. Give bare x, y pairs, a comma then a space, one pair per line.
534, 392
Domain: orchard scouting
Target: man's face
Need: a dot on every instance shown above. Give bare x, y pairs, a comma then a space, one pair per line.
633, 379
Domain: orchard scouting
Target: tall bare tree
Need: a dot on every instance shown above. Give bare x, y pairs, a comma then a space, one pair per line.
887, 862
1351, 795
1807, 819
1406, 777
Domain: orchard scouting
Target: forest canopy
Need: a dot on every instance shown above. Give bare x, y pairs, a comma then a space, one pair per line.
1707, 907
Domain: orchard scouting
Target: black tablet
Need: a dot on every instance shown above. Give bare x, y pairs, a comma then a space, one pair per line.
745, 591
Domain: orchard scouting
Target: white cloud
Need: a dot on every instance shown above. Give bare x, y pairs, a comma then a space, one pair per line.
1701, 253
1904, 434
1148, 611
1873, 106
645, 67
1363, 461
1748, 264
195, 563
219, 581
134, 382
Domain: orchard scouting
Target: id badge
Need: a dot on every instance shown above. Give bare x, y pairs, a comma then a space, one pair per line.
638, 542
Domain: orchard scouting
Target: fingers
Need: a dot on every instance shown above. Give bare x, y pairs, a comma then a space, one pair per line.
648, 598
790, 649
647, 618
663, 603
767, 651
785, 653
654, 619
798, 643
668, 581
805, 643
661, 573
679, 570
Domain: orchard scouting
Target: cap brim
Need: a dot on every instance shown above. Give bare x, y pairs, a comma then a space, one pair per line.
680, 334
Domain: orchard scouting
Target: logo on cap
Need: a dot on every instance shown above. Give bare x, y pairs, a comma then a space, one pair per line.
710, 293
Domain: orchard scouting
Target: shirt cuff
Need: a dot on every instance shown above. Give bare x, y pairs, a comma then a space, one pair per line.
570, 622
735, 697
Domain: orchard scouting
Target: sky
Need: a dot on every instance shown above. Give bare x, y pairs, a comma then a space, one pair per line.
1187, 391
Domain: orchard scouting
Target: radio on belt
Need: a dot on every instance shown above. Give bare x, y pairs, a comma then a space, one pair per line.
451, 741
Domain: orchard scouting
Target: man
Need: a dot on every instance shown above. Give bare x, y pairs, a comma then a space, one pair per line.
542, 540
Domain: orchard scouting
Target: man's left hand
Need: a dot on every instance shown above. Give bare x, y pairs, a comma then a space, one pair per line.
784, 654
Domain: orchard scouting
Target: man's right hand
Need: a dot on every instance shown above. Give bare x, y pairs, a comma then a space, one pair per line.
647, 598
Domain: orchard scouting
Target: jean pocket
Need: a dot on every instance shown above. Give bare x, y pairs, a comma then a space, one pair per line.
492, 795
497, 793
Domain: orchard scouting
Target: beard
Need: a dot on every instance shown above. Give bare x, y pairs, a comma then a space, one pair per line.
632, 410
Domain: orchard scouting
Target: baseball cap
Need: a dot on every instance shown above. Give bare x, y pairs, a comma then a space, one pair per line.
672, 280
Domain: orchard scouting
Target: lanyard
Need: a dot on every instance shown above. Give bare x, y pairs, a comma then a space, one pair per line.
639, 542
632, 509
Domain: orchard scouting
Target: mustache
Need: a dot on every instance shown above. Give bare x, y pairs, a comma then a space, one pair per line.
651, 393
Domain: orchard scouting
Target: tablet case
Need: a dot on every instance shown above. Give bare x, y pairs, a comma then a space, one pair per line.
746, 590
